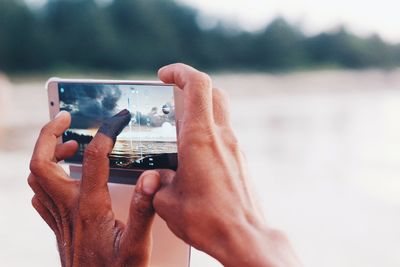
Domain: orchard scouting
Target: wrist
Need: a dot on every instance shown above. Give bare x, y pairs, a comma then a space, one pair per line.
253, 244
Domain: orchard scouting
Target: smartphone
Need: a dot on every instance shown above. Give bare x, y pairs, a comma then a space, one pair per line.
149, 141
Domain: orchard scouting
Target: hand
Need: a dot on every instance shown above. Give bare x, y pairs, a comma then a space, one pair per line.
208, 202
79, 212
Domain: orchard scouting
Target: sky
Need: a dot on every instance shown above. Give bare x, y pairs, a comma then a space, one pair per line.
149, 97
360, 16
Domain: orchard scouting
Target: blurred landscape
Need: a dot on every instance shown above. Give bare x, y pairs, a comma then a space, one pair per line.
316, 115
142, 35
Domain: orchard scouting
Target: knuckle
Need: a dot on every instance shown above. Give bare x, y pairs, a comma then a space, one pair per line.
38, 166
205, 80
229, 138
220, 94
232, 141
37, 205
92, 152
90, 212
31, 180
34, 201
87, 216
201, 80
180, 65
45, 129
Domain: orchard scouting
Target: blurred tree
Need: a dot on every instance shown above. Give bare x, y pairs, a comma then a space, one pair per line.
278, 46
145, 34
17, 27
153, 32
344, 49
80, 33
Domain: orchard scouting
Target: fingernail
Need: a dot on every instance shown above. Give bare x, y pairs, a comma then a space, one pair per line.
162, 69
59, 114
113, 126
150, 183
123, 112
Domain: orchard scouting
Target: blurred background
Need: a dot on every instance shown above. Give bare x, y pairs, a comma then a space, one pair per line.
315, 96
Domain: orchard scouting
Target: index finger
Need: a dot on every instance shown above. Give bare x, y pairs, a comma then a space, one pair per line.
197, 87
96, 164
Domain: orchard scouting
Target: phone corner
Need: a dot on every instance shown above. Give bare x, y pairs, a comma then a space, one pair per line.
51, 80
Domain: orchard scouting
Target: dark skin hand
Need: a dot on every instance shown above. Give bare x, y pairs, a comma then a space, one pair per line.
79, 212
208, 202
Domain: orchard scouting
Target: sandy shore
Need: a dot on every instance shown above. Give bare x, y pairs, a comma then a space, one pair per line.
323, 149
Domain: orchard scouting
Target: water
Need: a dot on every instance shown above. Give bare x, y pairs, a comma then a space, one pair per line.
143, 154
134, 150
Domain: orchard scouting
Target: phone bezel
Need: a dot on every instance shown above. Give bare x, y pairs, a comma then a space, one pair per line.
54, 105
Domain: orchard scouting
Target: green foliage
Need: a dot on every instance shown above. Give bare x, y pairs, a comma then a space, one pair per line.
17, 31
145, 34
279, 46
348, 50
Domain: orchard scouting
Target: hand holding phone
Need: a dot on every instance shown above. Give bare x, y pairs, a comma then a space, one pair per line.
147, 140
208, 201
79, 212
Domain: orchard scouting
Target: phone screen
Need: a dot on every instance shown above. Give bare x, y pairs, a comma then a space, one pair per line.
148, 142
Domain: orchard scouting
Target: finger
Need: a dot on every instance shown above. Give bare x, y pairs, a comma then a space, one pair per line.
51, 176
221, 107
65, 150
46, 144
46, 215
46, 201
162, 200
54, 226
141, 213
197, 87
96, 162
56, 216
59, 198
42, 164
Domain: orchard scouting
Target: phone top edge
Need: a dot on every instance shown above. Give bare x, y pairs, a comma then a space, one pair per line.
107, 81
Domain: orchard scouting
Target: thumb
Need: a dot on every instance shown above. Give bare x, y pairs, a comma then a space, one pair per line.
141, 212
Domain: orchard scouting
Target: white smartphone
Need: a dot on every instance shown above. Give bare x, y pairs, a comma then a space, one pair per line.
148, 142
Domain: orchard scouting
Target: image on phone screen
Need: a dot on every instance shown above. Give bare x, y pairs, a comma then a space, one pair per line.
148, 142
